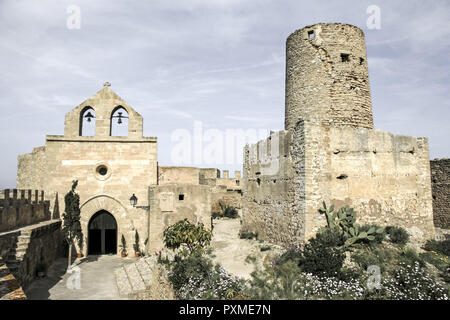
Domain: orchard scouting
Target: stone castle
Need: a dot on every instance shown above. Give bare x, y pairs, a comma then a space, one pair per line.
329, 151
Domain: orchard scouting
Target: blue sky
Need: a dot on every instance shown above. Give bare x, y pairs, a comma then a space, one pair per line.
220, 62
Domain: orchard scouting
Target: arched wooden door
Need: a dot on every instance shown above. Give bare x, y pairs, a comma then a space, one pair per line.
102, 233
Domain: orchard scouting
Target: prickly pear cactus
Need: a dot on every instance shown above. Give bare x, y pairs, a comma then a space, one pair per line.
330, 215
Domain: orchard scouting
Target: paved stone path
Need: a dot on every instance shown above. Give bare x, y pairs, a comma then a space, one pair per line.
97, 280
135, 279
232, 252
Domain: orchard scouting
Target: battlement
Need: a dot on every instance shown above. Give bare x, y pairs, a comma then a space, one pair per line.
19, 208
19, 197
225, 174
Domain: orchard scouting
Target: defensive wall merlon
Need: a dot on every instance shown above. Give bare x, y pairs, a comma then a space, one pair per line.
19, 208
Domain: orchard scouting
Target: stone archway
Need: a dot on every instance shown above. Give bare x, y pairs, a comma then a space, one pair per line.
113, 207
102, 234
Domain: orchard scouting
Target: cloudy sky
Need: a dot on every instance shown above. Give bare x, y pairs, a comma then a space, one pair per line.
215, 62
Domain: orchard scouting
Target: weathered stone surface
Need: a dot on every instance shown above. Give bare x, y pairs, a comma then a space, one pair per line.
10, 288
440, 182
19, 208
330, 151
171, 203
144, 280
24, 249
320, 85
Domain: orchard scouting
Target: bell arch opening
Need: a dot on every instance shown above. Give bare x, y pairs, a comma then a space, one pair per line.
102, 234
87, 122
119, 122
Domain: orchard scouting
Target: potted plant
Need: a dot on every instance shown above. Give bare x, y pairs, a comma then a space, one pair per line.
137, 251
123, 247
80, 245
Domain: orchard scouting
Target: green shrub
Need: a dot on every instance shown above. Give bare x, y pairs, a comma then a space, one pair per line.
379, 236
330, 237
195, 277
226, 211
442, 247
397, 235
184, 268
292, 254
369, 256
410, 256
183, 233
438, 260
248, 235
274, 283
320, 257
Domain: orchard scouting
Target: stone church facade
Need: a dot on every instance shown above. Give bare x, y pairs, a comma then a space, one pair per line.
111, 170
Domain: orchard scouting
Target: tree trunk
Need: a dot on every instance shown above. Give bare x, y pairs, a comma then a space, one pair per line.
70, 253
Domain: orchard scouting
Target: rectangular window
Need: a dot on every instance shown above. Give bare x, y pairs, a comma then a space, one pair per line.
181, 197
311, 34
345, 57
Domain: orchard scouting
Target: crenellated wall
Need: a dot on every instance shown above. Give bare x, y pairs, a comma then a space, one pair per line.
19, 208
269, 193
385, 177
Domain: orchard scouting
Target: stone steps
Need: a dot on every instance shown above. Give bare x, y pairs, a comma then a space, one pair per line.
10, 288
16, 254
134, 279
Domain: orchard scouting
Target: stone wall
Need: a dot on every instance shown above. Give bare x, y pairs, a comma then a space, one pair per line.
385, 177
19, 208
31, 169
228, 197
172, 203
23, 250
184, 175
269, 193
208, 176
440, 183
161, 288
10, 288
327, 76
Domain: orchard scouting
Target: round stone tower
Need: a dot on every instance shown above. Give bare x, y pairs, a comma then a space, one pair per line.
327, 78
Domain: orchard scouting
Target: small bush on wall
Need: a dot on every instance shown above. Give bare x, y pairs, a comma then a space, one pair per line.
397, 235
